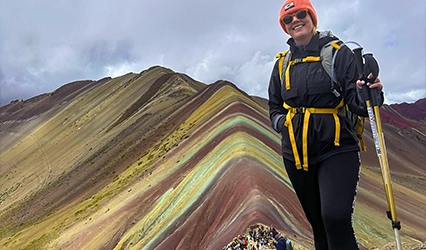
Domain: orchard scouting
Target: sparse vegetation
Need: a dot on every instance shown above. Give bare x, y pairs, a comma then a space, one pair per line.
105, 168
40, 243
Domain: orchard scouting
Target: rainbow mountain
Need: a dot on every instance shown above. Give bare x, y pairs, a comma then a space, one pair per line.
158, 160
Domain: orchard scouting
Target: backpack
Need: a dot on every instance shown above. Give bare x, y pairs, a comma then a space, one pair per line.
327, 55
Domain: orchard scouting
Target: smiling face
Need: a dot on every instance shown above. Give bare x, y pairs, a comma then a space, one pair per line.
301, 30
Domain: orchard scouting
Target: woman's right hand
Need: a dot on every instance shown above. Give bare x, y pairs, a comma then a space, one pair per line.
377, 83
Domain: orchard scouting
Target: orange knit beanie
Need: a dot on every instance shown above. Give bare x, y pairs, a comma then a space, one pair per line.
291, 6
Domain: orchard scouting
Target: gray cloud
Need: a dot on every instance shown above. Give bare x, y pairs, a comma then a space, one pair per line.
45, 44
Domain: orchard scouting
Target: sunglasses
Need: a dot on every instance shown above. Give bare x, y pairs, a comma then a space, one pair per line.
300, 14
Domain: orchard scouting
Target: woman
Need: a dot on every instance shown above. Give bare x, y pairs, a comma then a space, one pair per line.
321, 152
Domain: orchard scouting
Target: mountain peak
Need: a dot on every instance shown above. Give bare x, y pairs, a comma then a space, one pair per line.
158, 160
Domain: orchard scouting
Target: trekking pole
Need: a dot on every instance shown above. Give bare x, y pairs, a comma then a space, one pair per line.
371, 101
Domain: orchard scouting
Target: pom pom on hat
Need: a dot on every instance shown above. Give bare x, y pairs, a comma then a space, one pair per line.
291, 6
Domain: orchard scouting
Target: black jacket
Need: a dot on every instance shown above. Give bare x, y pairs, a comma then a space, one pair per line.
310, 87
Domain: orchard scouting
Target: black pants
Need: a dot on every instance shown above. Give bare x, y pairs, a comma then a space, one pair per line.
327, 194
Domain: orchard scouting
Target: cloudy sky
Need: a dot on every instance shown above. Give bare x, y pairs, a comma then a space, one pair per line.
46, 44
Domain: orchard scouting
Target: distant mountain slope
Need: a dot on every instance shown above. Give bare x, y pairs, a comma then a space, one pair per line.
410, 112
157, 160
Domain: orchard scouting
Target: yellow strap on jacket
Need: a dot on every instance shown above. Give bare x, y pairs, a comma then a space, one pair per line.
281, 56
307, 114
326, 55
295, 61
285, 58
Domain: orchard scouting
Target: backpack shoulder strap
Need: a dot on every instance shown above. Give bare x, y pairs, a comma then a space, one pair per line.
284, 59
327, 63
326, 55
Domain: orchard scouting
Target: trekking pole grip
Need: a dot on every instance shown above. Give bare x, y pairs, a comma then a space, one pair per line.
360, 68
371, 66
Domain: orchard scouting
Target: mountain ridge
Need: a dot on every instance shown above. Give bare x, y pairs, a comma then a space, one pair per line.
139, 160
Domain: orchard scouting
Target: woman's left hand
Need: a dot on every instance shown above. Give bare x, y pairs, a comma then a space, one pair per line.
377, 83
